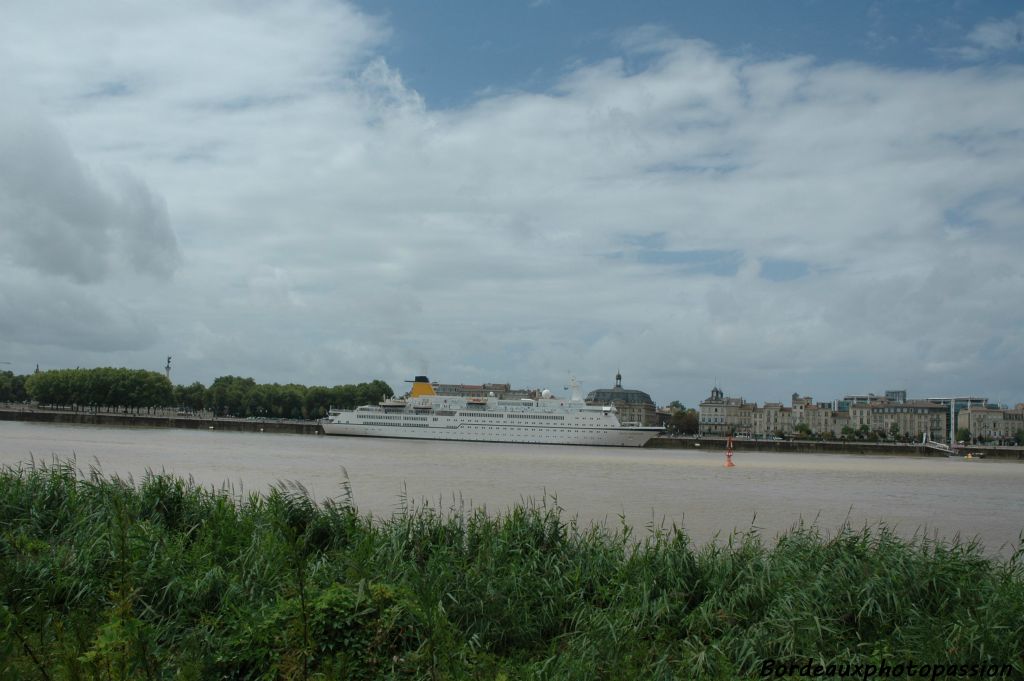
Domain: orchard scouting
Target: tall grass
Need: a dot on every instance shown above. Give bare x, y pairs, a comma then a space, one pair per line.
104, 579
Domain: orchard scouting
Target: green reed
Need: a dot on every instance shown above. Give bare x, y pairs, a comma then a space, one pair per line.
101, 578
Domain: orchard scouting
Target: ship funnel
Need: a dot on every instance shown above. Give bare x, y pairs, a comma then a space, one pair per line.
421, 387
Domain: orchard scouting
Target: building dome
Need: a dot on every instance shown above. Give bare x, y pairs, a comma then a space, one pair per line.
606, 396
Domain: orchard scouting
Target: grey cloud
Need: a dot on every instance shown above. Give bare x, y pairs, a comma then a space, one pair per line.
141, 219
35, 313
58, 218
51, 214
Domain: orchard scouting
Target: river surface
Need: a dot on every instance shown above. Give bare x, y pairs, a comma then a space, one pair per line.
772, 491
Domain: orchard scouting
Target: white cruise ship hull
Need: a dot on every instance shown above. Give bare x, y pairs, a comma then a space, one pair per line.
424, 415
620, 436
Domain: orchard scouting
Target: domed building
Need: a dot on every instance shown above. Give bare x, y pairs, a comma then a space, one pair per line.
635, 407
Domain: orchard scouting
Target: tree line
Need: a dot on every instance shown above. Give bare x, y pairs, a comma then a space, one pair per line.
237, 396
134, 390
106, 387
12, 387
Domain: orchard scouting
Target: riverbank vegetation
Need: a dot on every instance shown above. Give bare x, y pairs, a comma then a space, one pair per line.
134, 390
682, 421
103, 579
12, 387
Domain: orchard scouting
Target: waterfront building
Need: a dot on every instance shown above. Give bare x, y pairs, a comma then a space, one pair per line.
821, 418
635, 407
721, 415
860, 399
916, 418
958, 404
502, 391
992, 423
894, 415
773, 419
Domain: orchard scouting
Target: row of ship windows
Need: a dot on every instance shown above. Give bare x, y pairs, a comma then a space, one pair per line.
405, 417
512, 416
479, 427
392, 418
536, 416
391, 425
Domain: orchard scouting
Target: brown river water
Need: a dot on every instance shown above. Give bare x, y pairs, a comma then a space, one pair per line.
772, 491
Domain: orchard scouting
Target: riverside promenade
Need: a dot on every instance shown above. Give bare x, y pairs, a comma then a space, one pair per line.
169, 419
718, 444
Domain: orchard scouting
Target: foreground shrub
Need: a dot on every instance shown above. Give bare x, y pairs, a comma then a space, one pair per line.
104, 579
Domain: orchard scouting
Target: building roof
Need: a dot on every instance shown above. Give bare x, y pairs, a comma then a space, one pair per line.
619, 394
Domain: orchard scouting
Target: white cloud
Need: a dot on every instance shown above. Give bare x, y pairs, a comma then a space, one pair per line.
994, 37
334, 228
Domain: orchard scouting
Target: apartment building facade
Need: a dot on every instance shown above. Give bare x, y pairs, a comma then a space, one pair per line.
892, 416
991, 423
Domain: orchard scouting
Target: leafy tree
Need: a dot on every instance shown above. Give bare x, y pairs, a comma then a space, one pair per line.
12, 387
963, 434
229, 395
373, 392
803, 430
154, 390
1019, 437
344, 397
316, 402
350, 396
684, 422
288, 401
848, 433
191, 397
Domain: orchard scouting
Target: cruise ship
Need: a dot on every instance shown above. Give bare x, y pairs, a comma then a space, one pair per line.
425, 415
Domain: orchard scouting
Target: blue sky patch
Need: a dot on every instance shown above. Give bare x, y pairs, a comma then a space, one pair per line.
718, 263
645, 241
452, 52
965, 215
780, 269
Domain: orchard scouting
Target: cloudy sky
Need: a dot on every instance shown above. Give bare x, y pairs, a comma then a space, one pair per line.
776, 197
